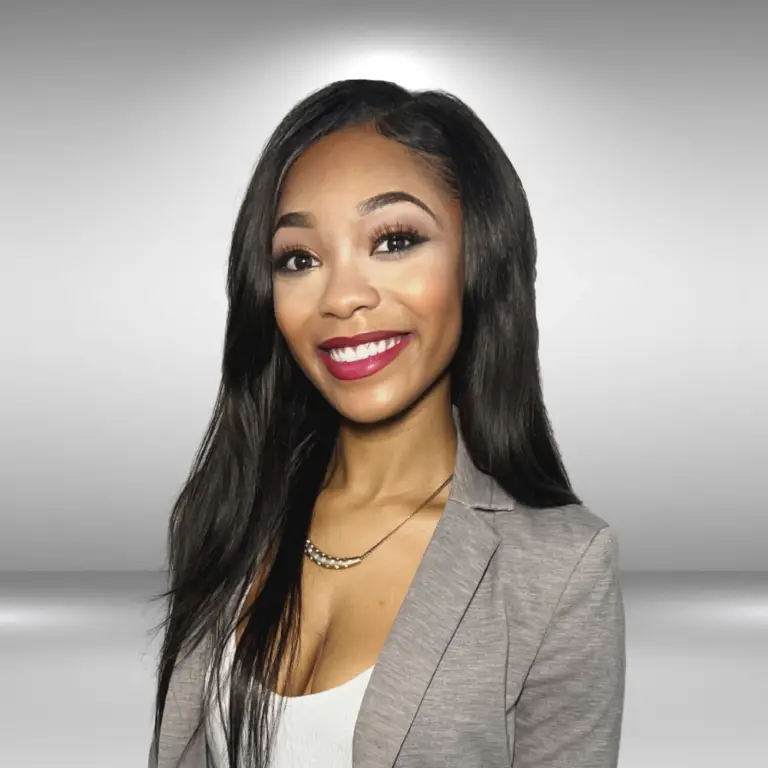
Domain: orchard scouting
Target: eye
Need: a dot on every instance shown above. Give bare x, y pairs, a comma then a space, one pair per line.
292, 260
400, 237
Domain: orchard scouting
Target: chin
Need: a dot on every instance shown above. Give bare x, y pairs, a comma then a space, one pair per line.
371, 408
367, 415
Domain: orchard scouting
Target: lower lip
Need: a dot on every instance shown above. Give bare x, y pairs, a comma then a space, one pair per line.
360, 369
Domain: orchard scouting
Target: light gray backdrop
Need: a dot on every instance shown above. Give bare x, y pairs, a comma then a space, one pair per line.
128, 135
128, 132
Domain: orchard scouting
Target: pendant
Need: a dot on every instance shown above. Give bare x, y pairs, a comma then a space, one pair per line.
326, 561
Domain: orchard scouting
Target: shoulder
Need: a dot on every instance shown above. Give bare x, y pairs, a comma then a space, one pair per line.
545, 553
556, 570
551, 533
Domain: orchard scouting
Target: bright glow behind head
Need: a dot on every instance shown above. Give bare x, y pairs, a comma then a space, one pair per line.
404, 67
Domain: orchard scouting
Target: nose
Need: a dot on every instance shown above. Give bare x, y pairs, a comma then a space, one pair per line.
346, 291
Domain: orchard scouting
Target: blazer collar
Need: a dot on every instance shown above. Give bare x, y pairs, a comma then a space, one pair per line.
447, 577
471, 487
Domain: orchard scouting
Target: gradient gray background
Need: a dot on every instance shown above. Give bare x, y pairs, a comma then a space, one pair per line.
128, 134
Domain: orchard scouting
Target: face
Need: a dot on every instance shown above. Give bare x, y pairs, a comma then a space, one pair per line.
368, 294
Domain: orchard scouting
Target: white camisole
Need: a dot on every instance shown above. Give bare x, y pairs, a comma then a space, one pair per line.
315, 730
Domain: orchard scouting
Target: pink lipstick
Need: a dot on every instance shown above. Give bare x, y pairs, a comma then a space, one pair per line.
360, 356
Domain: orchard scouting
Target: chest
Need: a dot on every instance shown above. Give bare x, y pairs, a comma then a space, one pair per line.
347, 614
443, 682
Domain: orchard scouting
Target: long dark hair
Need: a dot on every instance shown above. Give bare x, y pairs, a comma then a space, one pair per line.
264, 456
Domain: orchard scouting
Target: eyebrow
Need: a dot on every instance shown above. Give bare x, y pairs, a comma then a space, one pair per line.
366, 207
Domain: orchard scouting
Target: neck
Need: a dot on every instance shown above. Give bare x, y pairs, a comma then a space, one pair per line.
414, 451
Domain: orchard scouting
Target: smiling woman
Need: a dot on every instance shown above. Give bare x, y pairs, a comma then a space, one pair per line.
378, 535
360, 265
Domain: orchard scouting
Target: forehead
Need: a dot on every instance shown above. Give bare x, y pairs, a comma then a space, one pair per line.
340, 170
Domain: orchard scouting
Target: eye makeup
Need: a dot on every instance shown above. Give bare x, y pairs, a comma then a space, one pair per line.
283, 255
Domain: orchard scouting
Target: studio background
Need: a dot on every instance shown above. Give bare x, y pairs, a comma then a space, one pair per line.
129, 133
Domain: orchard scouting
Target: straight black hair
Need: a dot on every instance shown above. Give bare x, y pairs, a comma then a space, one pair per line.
262, 461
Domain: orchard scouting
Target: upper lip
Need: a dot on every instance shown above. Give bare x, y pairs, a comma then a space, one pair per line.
363, 338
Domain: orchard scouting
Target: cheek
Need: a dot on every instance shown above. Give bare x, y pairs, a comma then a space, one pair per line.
290, 314
435, 298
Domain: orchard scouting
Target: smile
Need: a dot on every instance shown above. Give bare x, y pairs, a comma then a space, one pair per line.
362, 360
363, 351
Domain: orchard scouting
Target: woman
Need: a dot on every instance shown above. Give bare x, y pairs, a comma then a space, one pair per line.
379, 505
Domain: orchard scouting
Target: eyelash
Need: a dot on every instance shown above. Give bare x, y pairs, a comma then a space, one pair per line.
384, 232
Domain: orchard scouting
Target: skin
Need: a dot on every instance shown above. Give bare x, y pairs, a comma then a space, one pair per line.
344, 284
397, 441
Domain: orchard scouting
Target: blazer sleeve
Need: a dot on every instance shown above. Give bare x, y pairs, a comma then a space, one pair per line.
152, 759
569, 712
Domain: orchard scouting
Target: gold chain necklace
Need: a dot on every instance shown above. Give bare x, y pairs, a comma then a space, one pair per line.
327, 561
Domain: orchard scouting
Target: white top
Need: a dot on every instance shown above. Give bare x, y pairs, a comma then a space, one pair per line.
315, 730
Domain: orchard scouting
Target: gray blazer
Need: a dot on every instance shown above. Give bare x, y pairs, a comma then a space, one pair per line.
508, 650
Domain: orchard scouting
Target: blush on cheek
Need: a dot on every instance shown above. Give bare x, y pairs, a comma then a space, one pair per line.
437, 302
432, 290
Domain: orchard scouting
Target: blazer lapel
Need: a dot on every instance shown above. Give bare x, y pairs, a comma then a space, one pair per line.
443, 585
445, 581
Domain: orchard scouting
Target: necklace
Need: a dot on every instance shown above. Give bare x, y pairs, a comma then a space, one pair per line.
327, 561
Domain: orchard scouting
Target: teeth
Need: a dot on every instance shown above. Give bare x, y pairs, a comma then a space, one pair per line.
363, 351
